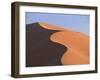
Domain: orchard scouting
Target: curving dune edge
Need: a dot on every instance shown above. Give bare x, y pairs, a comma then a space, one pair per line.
77, 43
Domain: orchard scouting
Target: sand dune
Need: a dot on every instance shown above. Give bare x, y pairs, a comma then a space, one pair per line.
76, 42
40, 49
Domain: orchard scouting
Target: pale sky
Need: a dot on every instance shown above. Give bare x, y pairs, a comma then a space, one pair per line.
76, 22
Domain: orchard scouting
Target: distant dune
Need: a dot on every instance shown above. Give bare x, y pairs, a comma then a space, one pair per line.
65, 46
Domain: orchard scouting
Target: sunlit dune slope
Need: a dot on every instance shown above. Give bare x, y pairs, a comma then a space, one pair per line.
76, 42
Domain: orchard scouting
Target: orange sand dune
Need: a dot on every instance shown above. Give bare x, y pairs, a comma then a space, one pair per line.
76, 42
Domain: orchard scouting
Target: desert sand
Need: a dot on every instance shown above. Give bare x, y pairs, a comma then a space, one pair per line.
40, 49
76, 42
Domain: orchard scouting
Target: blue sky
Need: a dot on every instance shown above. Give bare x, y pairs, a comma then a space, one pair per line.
77, 22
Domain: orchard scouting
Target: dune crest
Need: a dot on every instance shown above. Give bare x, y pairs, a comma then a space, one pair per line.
55, 27
49, 26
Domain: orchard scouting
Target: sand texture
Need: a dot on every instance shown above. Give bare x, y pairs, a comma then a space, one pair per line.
50, 45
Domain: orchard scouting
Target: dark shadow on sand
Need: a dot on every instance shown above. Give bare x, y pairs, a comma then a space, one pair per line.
40, 50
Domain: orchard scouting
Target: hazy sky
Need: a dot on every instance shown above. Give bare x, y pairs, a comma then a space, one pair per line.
76, 22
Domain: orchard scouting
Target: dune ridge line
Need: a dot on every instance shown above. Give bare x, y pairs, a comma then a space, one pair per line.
77, 53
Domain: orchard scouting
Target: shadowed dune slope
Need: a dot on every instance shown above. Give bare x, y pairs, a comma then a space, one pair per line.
40, 50
49, 45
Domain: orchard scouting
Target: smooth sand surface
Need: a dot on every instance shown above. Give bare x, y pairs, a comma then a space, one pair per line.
76, 42
40, 49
